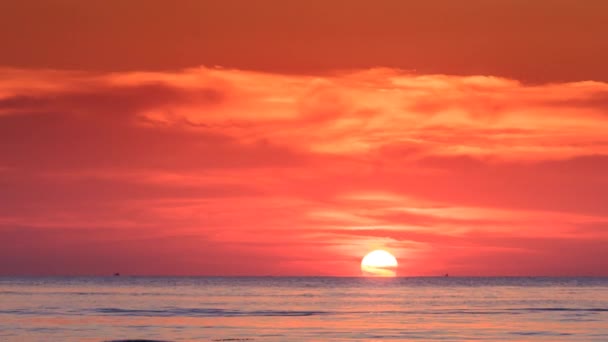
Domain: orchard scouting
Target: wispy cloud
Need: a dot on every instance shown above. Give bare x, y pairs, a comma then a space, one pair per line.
293, 174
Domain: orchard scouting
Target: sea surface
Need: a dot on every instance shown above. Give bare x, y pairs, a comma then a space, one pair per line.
303, 309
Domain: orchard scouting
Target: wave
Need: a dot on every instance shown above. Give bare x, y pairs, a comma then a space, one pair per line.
218, 312
193, 312
564, 309
213, 312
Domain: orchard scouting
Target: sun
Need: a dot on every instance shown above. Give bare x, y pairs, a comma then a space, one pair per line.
379, 263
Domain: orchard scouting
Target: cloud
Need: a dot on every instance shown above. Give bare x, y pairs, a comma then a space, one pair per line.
344, 112
261, 169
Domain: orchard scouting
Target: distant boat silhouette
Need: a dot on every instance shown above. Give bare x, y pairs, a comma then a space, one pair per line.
446, 275
116, 274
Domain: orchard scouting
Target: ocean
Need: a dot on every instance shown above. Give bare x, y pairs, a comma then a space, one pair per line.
303, 309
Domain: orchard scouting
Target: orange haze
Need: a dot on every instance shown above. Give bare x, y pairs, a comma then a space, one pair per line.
282, 139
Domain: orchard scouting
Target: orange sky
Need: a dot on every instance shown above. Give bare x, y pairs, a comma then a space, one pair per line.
229, 138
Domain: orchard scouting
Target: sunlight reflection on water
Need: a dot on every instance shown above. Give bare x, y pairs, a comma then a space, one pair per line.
303, 309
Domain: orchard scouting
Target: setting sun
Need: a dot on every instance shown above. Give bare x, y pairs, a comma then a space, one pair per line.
212, 170
379, 263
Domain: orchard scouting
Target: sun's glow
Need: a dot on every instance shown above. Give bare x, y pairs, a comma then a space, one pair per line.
379, 263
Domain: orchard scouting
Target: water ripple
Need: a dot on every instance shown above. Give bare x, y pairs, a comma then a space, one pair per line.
204, 312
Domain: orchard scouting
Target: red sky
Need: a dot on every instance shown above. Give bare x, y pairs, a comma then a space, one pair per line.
291, 138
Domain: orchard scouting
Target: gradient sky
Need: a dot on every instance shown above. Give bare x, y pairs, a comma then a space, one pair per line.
293, 137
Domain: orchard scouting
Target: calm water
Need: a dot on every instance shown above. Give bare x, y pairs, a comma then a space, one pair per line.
303, 309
